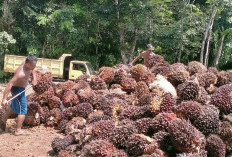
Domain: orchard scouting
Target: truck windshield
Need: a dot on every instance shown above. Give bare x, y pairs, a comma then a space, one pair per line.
91, 70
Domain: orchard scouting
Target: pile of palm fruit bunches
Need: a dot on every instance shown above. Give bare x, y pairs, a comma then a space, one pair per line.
174, 110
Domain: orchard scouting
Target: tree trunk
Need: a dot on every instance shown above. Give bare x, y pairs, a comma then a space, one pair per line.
151, 28
43, 49
133, 46
206, 34
123, 54
207, 49
216, 60
8, 18
208, 43
116, 3
181, 44
121, 36
179, 56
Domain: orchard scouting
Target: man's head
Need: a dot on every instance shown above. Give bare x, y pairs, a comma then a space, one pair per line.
150, 47
30, 62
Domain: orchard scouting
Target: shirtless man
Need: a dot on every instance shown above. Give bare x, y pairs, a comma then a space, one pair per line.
145, 54
16, 85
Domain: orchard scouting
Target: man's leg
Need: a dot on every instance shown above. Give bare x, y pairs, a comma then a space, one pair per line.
20, 120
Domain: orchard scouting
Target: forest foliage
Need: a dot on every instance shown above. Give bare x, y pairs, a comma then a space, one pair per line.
107, 32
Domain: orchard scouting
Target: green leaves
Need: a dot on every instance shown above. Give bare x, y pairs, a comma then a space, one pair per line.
100, 30
6, 39
42, 19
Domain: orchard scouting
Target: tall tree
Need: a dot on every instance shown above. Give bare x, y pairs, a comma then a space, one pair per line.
228, 33
207, 29
219, 51
208, 43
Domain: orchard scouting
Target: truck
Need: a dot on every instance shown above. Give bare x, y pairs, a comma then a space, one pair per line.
61, 69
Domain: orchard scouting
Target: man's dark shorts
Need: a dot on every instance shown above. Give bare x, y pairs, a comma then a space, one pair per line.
19, 104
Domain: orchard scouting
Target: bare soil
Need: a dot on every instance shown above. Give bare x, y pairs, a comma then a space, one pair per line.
36, 145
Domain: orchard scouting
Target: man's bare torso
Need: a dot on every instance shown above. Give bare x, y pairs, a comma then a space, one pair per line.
146, 55
22, 76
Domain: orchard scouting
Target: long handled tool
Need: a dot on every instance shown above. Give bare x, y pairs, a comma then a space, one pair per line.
18, 94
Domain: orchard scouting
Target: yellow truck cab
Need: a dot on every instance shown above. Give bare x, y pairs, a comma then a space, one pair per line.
63, 68
78, 68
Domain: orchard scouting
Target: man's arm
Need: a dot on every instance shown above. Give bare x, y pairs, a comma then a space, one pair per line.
34, 78
7, 89
140, 55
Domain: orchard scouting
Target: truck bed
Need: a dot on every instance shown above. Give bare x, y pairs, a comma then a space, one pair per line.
55, 66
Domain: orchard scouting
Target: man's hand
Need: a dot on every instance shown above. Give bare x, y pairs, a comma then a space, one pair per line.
34, 78
33, 82
4, 102
130, 64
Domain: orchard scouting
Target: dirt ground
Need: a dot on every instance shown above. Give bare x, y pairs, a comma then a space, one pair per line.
36, 145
